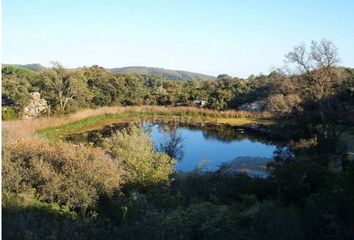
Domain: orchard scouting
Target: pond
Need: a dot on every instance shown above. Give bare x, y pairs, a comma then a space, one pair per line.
204, 148
209, 148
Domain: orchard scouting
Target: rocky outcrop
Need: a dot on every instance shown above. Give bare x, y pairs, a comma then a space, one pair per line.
256, 106
36, 107
200, 103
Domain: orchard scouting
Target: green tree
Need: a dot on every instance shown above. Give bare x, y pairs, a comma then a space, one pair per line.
102, 85
16, 85
66, 85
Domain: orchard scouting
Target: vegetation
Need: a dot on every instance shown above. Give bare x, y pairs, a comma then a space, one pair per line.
60, 173
126, 189
146, 167
180, 114
165, 73
69, 90
16, 85
35, 67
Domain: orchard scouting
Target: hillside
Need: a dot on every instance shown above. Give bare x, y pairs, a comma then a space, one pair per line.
166, 73
36, 67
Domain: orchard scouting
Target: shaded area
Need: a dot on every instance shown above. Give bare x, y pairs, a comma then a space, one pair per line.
255, 166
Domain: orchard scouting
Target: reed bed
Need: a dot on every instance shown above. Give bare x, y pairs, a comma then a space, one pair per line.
17, 129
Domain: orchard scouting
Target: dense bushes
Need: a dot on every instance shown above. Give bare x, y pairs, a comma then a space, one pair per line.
66, 91
46, 221
143, 164
9, 113
60, 191
16, 85
219, 205
71, 176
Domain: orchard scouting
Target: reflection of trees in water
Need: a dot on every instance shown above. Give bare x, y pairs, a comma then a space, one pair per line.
167, 127
224, 134
172, 144
173, 137
256, 166
228, 134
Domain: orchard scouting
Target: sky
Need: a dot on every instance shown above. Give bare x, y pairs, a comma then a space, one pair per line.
234, 37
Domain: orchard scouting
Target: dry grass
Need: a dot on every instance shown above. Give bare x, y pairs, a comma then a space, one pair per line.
13, 130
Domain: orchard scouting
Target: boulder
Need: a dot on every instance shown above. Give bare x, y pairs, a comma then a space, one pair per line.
36, 107
256, 106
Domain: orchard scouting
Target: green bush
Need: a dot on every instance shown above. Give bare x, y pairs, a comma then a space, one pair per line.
9, 113
60, 173
47, 221
136, 151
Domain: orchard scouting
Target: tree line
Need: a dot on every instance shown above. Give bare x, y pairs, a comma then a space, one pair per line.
128, 190
67, 90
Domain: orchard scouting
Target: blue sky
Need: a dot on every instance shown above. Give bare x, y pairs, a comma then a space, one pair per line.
212, 37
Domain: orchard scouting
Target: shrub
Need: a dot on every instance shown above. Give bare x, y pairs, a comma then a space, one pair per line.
204, 221
45, 221
270, 220
72, 176
283, 105
144, 166
9, 113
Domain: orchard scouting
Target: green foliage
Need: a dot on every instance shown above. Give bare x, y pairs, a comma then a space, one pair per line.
136, 91
68, 90
103, 86
62, 87
60, 173
165, 73
218, 211
135, 150
16, 85
214, 187
48, 221
35, 67
9, 113
59, 191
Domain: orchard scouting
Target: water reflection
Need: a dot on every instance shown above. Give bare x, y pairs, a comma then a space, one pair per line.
207, 147
255, 166
172, 144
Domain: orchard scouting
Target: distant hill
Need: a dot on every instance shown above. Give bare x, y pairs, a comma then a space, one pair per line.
166, 73
36, 67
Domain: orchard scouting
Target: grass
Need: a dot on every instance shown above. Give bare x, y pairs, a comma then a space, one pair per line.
97, 122
90, 119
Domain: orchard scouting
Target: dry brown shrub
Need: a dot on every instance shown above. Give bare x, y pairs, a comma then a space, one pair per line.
284, 104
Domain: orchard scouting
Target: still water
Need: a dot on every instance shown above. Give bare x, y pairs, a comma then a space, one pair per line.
209, 148
204, 148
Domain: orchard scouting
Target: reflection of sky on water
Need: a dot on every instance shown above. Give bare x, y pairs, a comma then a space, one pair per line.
197, 147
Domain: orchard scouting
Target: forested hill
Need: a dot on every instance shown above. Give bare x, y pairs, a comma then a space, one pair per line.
166, 73
36, 67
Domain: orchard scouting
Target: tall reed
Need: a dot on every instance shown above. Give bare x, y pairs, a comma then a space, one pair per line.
17, 129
